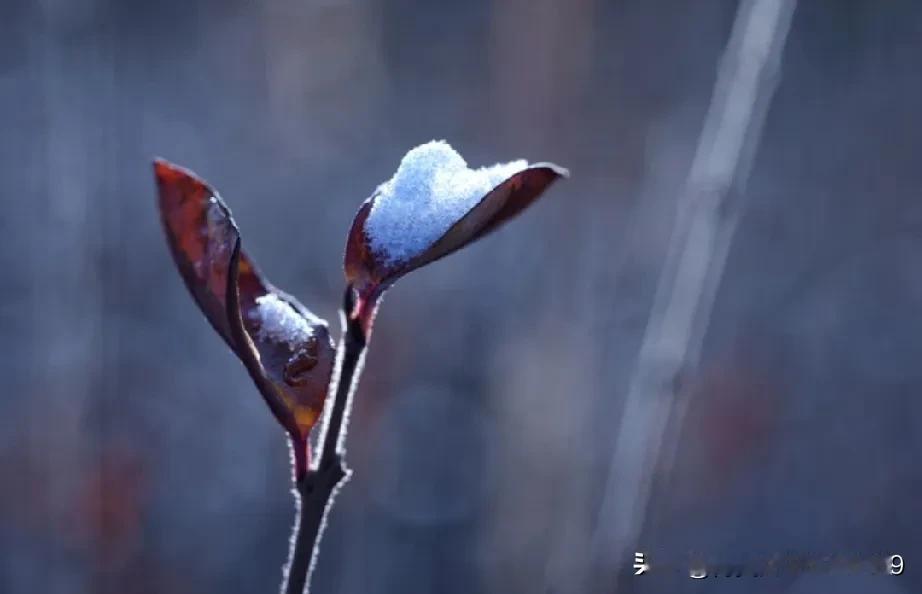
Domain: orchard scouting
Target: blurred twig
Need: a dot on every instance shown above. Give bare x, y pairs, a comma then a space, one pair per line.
693, 268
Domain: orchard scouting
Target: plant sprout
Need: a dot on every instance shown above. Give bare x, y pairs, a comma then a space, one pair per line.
432, 206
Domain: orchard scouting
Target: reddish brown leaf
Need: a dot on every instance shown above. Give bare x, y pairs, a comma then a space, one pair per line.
370, 274
499, 206
201, 234
290, 355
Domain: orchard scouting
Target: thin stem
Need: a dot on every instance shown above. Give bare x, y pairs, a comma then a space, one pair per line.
313, 496
352, 345
316, 489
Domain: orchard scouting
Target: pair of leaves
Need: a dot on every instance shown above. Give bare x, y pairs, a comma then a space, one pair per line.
292, 369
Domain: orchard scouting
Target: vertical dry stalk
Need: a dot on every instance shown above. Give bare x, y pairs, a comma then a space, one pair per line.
693, 268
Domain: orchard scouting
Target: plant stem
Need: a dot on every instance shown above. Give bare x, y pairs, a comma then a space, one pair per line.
315, 490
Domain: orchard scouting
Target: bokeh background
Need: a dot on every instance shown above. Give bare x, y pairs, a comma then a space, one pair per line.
136, 456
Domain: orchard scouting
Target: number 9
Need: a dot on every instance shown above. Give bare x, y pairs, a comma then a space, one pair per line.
895, 564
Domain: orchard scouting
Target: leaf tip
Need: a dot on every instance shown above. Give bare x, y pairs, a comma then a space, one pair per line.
557, 170
168, 173
163, 168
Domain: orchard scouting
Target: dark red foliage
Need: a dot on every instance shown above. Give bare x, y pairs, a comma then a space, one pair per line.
225, 283
370, 274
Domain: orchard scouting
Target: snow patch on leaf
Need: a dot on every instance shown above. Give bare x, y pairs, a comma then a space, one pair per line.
432, 189
280, 322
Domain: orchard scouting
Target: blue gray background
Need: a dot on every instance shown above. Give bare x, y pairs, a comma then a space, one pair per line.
136, 456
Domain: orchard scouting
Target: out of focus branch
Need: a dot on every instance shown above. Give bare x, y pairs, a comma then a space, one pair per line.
693, 268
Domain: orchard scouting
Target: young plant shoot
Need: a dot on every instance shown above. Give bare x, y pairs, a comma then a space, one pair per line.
432, 206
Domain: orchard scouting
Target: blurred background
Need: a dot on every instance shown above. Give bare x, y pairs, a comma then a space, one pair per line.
137, 457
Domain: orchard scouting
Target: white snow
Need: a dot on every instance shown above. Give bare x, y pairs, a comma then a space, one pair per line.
432, 189
279, 322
